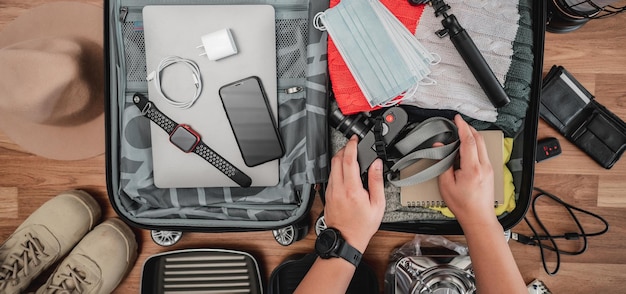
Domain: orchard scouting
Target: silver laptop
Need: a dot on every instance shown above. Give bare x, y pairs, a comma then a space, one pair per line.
177, 30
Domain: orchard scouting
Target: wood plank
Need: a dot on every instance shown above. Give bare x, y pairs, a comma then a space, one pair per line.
586, 278
8, 203
594, 54
611, 191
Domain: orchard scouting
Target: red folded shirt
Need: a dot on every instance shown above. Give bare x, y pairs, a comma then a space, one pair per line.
349, 97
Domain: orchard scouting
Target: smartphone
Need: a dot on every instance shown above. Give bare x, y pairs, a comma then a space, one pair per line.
252, 121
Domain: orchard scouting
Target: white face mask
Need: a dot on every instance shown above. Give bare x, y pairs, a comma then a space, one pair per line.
384, 58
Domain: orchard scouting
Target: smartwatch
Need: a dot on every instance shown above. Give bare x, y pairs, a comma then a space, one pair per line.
188, 140
329, 244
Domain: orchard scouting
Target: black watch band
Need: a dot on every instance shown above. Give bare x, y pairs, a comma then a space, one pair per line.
149, 110
222, 164
329, 244
349, 253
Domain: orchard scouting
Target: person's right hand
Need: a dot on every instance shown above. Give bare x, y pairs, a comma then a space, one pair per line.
468, 191
349, 208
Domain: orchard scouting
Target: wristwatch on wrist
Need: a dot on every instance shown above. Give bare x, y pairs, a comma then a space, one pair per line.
329, 244
188, 140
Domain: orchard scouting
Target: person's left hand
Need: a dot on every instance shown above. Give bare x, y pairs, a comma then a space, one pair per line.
349, 208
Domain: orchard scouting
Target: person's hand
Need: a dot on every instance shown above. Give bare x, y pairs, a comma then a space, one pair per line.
468, 191
349, 208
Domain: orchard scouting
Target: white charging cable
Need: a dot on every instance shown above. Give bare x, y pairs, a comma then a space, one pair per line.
195, 74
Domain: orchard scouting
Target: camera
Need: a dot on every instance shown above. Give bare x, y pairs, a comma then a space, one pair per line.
376, 134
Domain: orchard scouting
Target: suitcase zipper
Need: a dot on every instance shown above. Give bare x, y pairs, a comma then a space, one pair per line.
240, 205
298, 198
124, 10
289, 93
296, 5
123, 13
291, 90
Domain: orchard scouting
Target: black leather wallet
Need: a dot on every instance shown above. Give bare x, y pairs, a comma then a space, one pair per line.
568, 107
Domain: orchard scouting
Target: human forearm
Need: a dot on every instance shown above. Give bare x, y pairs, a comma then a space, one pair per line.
468, 192
352, 211
327, 276
492, 260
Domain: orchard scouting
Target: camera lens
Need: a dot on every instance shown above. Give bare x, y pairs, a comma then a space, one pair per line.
357, 124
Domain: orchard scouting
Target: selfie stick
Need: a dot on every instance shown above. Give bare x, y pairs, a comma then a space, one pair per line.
471, 55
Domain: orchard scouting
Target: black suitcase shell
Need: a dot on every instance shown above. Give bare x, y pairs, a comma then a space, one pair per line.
525, 142
299, 68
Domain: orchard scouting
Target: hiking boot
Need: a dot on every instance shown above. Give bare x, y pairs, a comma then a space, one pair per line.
98, 263
44, 237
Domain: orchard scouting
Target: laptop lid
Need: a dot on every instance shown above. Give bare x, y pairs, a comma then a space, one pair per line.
177, 30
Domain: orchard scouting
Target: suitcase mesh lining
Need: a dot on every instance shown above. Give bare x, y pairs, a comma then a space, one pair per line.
135, 53
290, 58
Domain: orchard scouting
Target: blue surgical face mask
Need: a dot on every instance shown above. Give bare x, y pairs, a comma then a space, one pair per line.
383, 56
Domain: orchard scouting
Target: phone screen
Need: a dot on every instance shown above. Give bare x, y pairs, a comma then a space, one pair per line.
251, 120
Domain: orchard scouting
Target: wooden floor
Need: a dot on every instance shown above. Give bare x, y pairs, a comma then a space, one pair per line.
594, 54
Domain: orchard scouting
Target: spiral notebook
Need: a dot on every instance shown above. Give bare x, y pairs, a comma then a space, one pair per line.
427, 194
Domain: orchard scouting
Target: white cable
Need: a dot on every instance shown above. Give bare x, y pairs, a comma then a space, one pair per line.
195, 75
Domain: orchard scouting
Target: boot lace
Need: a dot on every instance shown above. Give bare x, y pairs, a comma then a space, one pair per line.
72, 281
30, 256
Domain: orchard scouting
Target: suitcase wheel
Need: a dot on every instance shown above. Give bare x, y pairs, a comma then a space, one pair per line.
166, 238
289, 234
320, 224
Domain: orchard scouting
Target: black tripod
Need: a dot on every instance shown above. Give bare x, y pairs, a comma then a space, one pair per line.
468, 51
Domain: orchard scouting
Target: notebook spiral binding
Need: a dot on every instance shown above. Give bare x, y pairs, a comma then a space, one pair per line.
426, 204
435, 203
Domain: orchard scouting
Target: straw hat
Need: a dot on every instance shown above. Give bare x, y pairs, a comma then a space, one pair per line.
52, 81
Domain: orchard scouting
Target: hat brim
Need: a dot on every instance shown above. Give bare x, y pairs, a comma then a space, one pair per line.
56, 19
60, 143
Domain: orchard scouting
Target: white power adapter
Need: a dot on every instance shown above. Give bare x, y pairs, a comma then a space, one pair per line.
218, 45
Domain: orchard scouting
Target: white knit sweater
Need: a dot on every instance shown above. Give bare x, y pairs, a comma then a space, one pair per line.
493, 25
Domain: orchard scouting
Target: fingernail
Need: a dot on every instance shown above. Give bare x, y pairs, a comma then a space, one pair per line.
354, 137
378, 164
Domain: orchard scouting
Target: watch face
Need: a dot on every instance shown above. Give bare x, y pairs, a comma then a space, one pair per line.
185, 138
326, 243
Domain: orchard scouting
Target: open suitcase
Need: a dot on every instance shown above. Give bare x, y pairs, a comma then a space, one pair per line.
522, 158
302, 95
523, 83
284, 208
